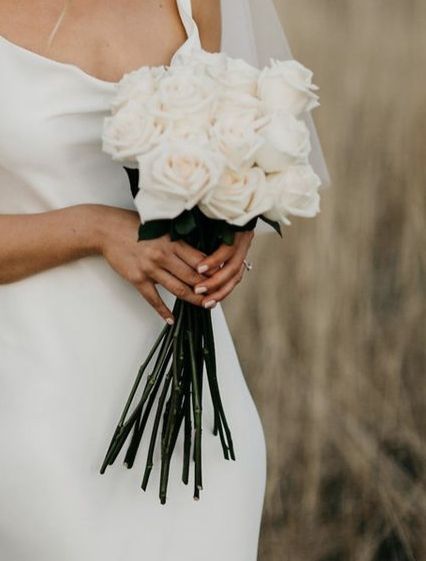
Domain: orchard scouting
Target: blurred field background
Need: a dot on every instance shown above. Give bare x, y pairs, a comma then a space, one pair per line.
330, 325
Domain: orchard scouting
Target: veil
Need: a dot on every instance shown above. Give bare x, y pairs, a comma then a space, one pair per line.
252, 30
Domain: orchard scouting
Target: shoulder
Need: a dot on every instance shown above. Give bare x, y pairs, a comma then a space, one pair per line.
208, 17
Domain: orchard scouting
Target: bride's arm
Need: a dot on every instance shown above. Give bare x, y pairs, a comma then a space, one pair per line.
34, 242
207, 15
31, 243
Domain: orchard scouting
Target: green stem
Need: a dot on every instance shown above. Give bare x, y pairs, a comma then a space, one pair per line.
149, 461
172, 408
140, 423
177, 386
196, 405
187, 439
141, 371
124, 427
209, 352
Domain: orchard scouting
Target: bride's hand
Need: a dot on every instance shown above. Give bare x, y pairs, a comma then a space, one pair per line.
225, 268
173, 264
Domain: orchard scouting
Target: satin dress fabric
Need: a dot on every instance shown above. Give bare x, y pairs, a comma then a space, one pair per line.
71, 341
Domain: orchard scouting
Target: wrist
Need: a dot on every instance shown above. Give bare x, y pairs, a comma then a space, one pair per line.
91, 219
103, 223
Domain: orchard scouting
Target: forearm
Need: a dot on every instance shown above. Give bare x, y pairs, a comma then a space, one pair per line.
34, 242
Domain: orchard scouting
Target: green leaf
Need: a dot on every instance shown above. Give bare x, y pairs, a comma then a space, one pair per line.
153, 229
223, 231
251, 225
185, 223
274, 224
228, 237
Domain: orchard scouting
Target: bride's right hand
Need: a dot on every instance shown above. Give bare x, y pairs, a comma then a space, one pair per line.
144, 264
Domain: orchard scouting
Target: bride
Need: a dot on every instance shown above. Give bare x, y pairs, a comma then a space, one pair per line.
81, 300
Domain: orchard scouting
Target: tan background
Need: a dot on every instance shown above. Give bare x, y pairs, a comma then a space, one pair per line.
330, 326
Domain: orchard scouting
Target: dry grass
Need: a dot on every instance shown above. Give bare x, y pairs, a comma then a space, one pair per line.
338, 309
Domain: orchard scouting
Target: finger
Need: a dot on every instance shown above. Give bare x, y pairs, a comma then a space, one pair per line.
221, 255
177, 287
224, 291
212, 271
151, 295
192, 256
230, 269
221, 277
182, 271
189, 254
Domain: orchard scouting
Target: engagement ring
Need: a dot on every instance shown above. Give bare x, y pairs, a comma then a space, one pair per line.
247, 265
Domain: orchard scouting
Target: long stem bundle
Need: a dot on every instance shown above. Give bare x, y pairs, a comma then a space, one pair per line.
184, 351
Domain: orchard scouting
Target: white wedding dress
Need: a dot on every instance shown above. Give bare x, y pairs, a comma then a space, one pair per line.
71, 341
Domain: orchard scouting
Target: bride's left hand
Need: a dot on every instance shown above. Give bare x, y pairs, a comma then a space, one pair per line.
225, 268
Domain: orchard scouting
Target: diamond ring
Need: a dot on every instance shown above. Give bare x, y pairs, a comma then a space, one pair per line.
247, 265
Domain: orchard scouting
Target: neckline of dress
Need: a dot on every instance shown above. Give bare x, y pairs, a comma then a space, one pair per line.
189, 25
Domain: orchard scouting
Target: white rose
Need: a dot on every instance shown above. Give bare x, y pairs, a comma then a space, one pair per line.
185, 101
185, 130
203, 62
242, 105
295, 192
239, 77
132, 132
287, 142
237, 140
175, 177
182, 95
192, 127
287, 85
231, 73
238, 197
138, 85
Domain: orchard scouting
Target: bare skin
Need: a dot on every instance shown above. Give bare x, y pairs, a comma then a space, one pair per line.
114, 38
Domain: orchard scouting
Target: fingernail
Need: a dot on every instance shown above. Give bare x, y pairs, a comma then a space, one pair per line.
170, 321
202, 268
200, 289
210, 304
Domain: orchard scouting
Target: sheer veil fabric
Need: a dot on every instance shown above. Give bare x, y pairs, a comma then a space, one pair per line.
252, 30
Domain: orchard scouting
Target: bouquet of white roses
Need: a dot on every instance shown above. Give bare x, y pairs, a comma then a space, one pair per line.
211, 145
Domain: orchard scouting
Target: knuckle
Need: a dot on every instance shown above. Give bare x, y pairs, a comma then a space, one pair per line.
213, 284
181, 292
196, 278
136, 276
198, 300
192, 278
175, 245
149, 268
157, 254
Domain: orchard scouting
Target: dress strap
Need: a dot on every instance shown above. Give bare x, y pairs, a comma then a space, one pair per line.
193, 41
187, 5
